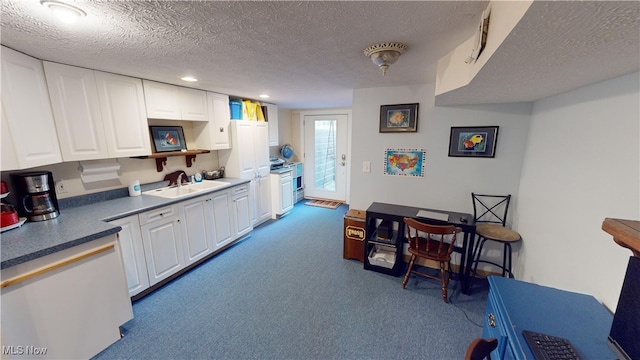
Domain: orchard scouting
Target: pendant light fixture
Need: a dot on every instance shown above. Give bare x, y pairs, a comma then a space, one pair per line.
385, 54
68, 14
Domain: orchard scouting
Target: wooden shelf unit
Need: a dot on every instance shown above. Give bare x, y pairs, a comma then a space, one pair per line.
161, 158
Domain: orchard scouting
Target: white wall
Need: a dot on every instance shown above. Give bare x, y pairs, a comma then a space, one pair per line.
448, 181
581, 165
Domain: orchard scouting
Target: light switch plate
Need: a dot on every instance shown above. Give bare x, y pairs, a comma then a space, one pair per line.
366, 166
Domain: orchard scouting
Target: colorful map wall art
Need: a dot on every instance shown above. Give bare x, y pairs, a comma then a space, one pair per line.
405, 162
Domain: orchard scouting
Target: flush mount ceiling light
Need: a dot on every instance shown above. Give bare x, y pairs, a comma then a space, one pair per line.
385, 54
264, 96
66, 13
188, 78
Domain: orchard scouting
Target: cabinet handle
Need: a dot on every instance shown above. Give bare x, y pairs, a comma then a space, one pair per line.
492, 320
55, 265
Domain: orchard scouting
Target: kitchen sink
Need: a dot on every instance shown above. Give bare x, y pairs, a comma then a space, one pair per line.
175, 191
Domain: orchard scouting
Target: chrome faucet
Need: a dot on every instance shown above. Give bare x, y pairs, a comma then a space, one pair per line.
180, 180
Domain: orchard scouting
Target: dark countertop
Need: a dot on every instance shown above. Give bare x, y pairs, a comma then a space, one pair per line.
78, 225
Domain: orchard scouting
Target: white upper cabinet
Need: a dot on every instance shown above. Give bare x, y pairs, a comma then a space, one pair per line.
214, 134
171, 102
272, 117
193, 104
76, 110
123, 112
162, 101
27, 116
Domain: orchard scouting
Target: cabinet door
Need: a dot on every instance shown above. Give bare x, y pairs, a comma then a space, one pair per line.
162, 101
223, 225
162, 242
263, 167
193, 104
286, 193
261, 148
76, 110
122, 106
27, 111
135, 267
241, 211
272, 117
8, 152
197, 230
219, 118
245, 147
262, 199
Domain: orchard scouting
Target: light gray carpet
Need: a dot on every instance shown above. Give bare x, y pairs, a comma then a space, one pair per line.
286, 293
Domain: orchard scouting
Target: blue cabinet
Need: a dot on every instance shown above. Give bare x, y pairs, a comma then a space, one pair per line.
513, 306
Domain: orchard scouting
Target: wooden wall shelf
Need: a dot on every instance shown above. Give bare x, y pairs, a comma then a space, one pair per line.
626, 233
161, 158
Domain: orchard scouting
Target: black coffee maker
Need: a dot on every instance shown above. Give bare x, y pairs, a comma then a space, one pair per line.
35, 195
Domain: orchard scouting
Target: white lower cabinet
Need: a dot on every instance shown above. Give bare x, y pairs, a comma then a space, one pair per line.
162, 240
281, 193
159, 243
135, 266
198, 229
241, 210
222, 218
65, 305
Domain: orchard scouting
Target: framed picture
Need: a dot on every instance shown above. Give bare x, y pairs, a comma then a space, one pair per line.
405, 162
168, 138
473, 141
399, 118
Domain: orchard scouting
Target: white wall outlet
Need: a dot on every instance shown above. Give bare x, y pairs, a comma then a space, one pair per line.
61, 187
366, 166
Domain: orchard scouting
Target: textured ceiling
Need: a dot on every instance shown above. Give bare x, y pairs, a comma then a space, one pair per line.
309, 54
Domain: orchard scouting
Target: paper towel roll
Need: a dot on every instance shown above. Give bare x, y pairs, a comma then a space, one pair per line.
134, 188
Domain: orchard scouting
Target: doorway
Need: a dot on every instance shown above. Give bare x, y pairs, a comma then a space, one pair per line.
326, 156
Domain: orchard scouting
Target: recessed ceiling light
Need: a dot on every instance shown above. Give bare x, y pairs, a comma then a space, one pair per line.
189, 78
264, 96
66, 13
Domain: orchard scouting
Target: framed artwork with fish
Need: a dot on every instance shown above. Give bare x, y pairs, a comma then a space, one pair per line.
399, 118
168, 138
477, 141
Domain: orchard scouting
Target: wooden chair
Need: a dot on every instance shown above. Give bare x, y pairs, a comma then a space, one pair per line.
481, 349
490, 214
431, 242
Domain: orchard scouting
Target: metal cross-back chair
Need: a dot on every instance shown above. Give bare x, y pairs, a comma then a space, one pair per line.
490, 214
431, 242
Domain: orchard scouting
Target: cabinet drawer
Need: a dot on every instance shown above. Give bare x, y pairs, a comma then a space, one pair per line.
157, 214
493, 327
240, 190
285, 176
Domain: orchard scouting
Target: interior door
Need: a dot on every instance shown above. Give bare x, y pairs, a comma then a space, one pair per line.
325, 156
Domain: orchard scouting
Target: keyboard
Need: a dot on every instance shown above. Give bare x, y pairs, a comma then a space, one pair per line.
547, 347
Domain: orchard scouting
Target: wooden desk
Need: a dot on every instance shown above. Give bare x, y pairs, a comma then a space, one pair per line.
513, 306
395, 214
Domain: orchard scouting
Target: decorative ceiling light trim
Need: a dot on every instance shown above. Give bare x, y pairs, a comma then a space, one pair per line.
385, 54
66, 13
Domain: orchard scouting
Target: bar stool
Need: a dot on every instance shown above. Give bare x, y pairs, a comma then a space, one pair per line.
490, 214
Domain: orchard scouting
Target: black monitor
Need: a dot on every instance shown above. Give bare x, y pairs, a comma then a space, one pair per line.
623, 337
